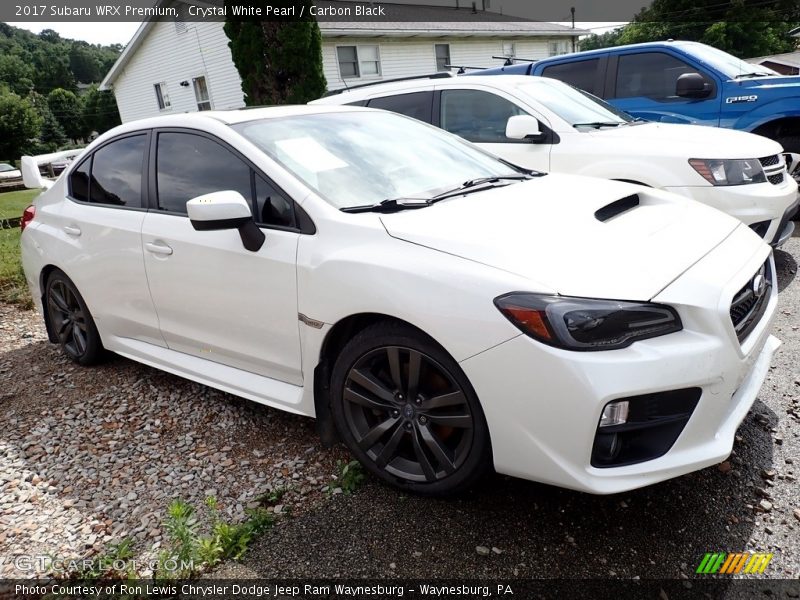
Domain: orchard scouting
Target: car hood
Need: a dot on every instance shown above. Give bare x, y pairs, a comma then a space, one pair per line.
546, 231
691, 141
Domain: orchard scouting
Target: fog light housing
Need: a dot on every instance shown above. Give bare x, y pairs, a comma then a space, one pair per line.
614, 413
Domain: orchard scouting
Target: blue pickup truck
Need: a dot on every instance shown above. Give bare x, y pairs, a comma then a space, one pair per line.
681, 82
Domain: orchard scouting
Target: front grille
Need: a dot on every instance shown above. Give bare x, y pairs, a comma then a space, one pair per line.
750, 302
775, 179
774, 168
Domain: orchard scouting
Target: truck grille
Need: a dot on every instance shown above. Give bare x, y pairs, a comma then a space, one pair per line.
774, 168
750, 302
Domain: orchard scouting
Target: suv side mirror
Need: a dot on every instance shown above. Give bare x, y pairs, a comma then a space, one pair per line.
692, 85
520, 127
226, 210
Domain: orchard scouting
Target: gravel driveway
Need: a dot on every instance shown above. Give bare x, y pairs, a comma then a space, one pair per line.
89, 456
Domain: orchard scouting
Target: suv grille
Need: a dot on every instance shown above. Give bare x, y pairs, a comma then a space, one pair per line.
751, 301
774, 168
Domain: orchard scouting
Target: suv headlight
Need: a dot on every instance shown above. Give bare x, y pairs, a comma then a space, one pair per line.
729, 171
586, 324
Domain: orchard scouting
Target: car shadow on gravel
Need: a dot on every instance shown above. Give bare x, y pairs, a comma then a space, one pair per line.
530, 530
786, 267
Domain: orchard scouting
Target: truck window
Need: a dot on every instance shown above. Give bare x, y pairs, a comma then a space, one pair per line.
581, 74
650, 74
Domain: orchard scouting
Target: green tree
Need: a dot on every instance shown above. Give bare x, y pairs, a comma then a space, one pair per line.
66, 108
100, 112
16, 73
84, 63
51, 134
19, 124
279, 62
744, 28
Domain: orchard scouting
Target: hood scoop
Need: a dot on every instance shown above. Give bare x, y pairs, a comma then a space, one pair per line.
616, 208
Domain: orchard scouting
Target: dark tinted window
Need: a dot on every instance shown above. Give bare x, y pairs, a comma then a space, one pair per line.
189, 165
116, 176
272, 207
79, 181
649, 75
416, 105
581, 74
477, 116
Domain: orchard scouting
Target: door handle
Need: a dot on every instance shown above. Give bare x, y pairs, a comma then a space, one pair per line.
72, 230
158, 248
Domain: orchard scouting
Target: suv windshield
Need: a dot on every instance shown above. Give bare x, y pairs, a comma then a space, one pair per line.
727, 64
359, 158
575, 106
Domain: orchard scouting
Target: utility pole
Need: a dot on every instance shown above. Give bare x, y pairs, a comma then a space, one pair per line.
572, 11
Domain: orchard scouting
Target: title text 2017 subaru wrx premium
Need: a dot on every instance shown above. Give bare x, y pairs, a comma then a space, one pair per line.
445, 310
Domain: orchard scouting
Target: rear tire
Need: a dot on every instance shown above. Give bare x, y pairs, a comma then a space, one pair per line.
407, 412
71, 321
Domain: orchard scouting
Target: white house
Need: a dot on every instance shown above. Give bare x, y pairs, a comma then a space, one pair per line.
185, 65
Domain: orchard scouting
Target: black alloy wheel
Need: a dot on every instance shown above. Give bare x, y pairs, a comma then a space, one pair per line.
71, 321
408, 413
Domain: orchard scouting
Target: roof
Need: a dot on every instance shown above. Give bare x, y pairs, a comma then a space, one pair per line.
790, 59
408, 21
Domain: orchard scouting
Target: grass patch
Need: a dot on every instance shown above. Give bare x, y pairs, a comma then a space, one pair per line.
13, 287
13, 203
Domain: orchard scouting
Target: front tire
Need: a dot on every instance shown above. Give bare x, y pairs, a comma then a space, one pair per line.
71, 321
408, 413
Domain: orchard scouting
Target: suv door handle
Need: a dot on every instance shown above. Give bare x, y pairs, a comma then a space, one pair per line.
72, 230
158, 248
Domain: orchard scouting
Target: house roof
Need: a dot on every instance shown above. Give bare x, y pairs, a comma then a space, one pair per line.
790, 59
407, 20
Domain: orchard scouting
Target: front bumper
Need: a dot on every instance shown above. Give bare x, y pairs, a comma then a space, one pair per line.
762, 205
543, 404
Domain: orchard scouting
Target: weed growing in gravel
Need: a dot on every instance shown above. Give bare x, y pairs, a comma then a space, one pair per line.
191, 552
108, 565
349, 475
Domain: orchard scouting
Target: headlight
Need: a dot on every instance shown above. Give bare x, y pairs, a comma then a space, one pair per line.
729, 172
585, 324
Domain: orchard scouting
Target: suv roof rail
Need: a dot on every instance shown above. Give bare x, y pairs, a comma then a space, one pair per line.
463, 68
510, 60
439, 75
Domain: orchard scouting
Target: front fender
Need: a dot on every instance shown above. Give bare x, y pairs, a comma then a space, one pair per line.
771, 111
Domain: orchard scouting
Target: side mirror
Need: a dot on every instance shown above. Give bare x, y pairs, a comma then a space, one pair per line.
692, 85
226, 210
520, 127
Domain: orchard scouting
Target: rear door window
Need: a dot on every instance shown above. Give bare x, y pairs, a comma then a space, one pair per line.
416, 105
112, 175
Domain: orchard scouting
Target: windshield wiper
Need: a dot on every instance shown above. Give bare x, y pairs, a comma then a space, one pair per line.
482, 183
753, 74
598, 124
390, 205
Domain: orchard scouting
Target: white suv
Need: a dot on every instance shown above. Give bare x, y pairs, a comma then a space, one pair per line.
544, 124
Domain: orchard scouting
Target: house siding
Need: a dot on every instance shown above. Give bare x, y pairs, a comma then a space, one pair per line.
168, 56
401, 57
202, 49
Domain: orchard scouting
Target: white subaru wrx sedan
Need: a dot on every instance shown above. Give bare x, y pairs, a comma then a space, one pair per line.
442, 310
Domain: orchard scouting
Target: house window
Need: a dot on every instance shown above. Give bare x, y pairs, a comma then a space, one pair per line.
557, 48
162, 96
201, 93
509, 49
358, 61
442, 57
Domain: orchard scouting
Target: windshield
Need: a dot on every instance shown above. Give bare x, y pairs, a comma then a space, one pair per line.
727, 64
574, 106
6, 167
357, 158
